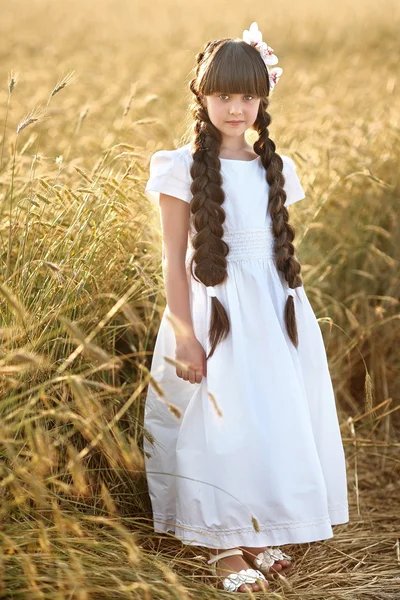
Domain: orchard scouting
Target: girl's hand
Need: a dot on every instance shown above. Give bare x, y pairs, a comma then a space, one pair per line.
191, 352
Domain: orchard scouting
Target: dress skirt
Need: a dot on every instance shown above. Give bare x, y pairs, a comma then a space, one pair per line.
254, 455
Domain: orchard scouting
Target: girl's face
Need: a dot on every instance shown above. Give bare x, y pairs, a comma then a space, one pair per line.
232, 114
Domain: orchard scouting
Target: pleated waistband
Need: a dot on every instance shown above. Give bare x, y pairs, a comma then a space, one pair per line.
248, 243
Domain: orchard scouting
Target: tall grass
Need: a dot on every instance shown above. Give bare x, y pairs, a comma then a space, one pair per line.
81, 289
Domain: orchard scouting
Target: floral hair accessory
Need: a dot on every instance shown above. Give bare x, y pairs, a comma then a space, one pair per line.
253, 37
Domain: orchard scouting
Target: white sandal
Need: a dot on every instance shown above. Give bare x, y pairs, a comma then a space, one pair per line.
266, 559
232, 582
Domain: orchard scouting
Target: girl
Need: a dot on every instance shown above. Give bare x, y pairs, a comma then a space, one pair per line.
250, 454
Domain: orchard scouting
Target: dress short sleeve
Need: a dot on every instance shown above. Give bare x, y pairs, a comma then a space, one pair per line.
292, 186
169, 174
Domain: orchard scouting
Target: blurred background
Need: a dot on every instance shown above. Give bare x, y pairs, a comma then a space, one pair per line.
88, 91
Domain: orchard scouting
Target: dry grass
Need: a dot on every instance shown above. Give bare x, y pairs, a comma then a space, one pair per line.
88, 91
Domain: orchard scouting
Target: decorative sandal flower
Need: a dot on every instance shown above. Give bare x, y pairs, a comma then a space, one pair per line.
253, 36
235, 580
268, 557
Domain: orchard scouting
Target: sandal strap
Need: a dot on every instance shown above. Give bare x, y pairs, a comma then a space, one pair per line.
224, 554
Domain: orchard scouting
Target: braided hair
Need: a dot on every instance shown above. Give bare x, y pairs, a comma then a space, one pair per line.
233, 66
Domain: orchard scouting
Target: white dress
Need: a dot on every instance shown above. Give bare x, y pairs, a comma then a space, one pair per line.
271, 470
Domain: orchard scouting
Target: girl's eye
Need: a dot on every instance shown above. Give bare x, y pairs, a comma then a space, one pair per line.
224, 96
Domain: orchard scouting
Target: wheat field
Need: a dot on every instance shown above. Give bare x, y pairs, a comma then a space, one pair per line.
88, 90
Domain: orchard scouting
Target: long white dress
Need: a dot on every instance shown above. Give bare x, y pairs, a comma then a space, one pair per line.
271, 470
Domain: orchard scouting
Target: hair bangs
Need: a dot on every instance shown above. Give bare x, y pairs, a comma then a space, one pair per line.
235, 68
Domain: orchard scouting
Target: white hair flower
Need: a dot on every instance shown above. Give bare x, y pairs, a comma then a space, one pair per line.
253, 36
274, 76
267, 54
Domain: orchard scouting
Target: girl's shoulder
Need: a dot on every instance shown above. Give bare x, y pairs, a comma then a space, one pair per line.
287, 160
289, 167
181, 155
288, 163
175, 163
293, 188
170, 173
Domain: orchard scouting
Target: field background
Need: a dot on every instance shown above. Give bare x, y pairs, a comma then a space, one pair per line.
94, 87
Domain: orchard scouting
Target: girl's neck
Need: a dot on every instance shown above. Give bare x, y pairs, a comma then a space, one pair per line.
236, 149
234, 144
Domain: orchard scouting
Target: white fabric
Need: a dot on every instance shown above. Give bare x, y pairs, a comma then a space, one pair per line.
276, 452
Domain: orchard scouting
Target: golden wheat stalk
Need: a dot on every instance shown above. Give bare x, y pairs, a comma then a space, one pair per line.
133, 92
35, 115
12, 82
64, 81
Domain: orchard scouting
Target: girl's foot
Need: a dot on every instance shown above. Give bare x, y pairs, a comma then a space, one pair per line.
279, 564
233, 564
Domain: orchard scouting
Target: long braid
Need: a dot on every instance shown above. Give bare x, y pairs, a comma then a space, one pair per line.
283, 231
208, 215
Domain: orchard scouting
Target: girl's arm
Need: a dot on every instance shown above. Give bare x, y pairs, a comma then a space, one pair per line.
175, 214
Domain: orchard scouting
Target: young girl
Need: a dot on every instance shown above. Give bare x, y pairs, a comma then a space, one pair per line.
253, 455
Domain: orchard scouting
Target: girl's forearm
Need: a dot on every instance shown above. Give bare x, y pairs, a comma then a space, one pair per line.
177, 292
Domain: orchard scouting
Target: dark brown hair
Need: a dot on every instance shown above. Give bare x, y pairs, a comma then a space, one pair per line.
232, 66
